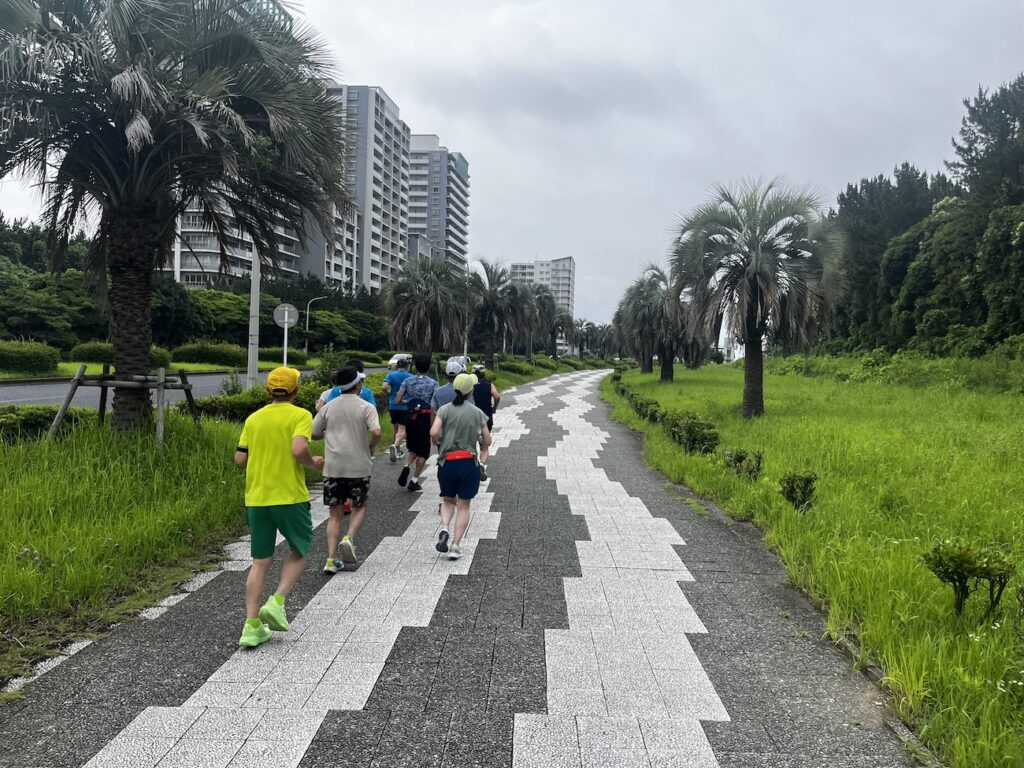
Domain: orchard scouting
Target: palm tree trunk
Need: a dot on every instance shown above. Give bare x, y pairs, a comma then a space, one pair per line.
668, 370
131, 257
647, 364
753, 363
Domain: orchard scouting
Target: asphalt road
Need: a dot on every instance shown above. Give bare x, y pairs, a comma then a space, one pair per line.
53, 392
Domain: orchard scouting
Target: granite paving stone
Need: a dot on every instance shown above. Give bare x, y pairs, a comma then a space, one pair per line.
594, 620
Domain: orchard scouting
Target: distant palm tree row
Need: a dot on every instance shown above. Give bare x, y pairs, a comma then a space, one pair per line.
759, 261
433, 307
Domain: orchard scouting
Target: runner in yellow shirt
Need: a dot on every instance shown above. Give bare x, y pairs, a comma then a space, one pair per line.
273, 449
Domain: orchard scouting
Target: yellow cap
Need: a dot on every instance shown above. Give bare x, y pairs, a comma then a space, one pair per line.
283, 381
465, 382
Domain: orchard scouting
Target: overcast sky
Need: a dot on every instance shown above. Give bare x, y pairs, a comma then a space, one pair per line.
590, 124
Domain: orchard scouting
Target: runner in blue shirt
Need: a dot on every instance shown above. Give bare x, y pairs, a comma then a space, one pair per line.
399, 411
416, 393
365, 393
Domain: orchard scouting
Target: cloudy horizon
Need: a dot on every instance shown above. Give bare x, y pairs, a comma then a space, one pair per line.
589, 129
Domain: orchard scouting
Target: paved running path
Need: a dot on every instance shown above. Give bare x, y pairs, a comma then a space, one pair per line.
594, 620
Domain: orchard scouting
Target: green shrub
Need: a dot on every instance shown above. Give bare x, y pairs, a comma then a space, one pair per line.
238, 407
276, 355
694, 434
103, 352
230, 355
26, 422
367, 358
519, 369
28, 357
545, 363
573, 362
231, 384
965, 567
744, 463
798, 489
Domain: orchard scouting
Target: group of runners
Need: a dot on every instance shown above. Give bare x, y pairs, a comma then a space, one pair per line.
274, 450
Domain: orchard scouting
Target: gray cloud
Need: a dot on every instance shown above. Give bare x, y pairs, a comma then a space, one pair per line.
590, 124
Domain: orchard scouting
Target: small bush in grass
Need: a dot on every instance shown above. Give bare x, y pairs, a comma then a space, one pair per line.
28, 357
573, 362
276, 355
798, 489
695, 434
744, 463
229, 355
545, 362
103, 352
231, 384
965, 567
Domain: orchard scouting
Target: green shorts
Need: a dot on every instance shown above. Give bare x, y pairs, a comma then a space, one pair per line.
293, 521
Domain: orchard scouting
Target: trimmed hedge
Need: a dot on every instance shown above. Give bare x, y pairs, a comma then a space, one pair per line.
103, 352
28, 357
238, 407
367, 358
545, 363
26, 422
693, 433
276, 355
519, 369
230, 355
573, 362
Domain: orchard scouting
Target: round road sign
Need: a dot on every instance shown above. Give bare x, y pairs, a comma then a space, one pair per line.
286, 315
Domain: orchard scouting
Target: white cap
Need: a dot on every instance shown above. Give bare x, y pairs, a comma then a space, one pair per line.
454, 368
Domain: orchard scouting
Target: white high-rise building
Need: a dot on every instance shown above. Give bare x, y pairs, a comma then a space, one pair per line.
439, 199
559, 275
379, 179
371, 243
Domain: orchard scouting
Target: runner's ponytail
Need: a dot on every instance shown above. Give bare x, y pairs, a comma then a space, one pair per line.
459, 399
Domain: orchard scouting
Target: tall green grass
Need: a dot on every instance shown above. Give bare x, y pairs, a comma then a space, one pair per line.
898, 468
95, 517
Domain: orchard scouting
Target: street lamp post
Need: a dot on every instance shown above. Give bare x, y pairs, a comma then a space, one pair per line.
308, 304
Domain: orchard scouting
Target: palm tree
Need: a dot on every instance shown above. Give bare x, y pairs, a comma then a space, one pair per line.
564, 327
428, 306
523, 318
495, 304
133, 109
762, 257
649, 321
545, 314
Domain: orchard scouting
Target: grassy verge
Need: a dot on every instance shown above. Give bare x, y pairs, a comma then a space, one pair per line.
96, 524
898, 468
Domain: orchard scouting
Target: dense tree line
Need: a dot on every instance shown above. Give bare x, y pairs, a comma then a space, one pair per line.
64, 309
937, 264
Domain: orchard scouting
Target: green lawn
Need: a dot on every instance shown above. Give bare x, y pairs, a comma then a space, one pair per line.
97, 524
898, 469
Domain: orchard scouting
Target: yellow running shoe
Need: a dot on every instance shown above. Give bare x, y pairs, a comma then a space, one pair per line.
273, 613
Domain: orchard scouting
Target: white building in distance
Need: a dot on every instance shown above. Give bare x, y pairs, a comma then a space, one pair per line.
439, 199
559, 275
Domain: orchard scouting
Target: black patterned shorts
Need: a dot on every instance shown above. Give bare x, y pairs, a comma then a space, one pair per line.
338, 490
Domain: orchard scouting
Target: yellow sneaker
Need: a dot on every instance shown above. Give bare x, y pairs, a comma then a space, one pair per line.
273, 613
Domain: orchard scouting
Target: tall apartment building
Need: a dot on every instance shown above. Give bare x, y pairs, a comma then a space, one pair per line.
379, 177
371, 244
439, 199
559, 275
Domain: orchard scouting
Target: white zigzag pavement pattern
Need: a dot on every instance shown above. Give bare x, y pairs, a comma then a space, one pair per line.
624, 686
265, 705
